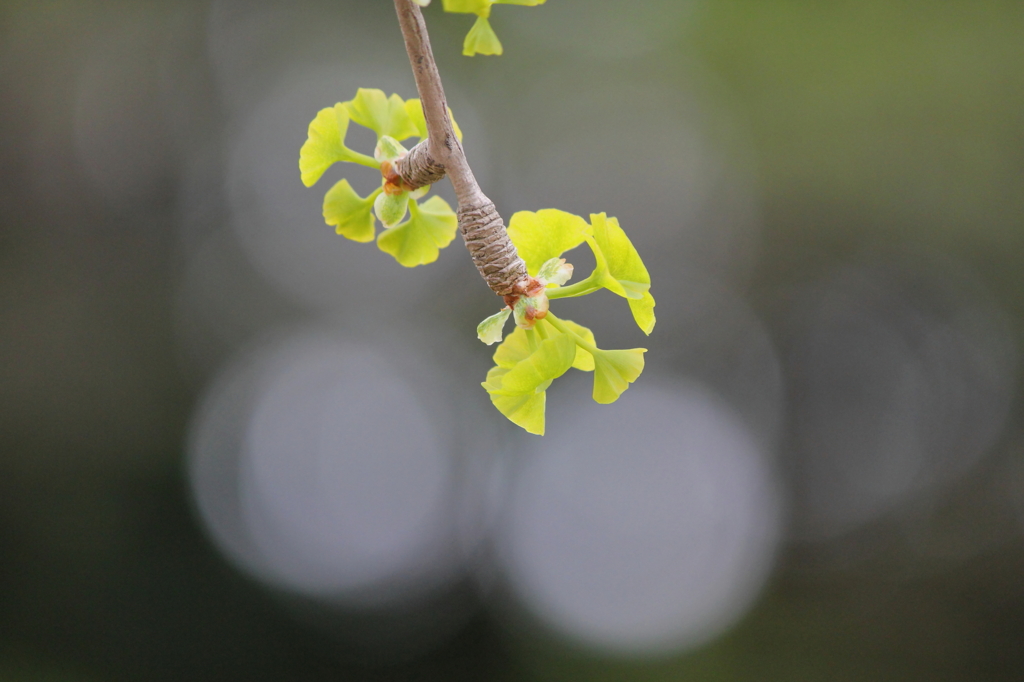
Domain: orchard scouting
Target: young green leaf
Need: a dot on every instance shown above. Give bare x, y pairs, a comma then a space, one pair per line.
480, 7
350, 214
513, 349
431, 227
584, 359
614, 371
415, 110
546, 234
383, 115
629, 277
643, 312
481, 39
553, 358
525, 410
518, 384
325, 145
623, 271
555, 271
490, 330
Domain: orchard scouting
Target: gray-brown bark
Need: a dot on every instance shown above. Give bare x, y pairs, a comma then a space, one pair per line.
482, 228
418, 168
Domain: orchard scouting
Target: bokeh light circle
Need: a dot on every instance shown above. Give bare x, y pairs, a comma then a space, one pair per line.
649, 529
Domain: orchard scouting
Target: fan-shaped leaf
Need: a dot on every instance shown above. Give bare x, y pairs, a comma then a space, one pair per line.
614, 371
325, 145
584, 360
629, 277
351, 215
415, 110
643, 312
431, 227
546, 234
553, 357
481, 7
383, 115
481, 39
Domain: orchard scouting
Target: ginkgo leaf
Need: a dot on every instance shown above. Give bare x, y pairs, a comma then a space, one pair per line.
490, 330
481, 39
525, 410
383, 115
643, 312
553, 358
431, 227
546, 234
614, 371
584, 359
518, 384
481, 7
513, 349
414, 108
325, 145
351, 215
627, 275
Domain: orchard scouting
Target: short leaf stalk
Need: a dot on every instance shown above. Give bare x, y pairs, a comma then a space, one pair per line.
523, 263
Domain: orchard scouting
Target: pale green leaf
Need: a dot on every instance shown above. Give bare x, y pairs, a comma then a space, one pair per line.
350, 214
490, 330
415, 110
518, 384
481, 39
514, 349
431, 227
383, 115
546, 234
643, 312
626, 274
481, 7
614, 371
584, 360
525, 410
553, 358
325, 145
391, 208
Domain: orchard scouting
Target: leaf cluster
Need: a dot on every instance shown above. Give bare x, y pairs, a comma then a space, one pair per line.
431, 225
535, 354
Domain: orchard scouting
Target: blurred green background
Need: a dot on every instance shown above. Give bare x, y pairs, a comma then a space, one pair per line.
850, 174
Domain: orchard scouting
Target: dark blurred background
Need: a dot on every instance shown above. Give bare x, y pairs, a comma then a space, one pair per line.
235, 446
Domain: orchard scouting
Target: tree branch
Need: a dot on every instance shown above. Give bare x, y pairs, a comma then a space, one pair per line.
482, 228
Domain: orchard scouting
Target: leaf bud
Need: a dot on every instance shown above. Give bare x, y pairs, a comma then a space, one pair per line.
555, 271
391, 208
528, 309
389, 149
